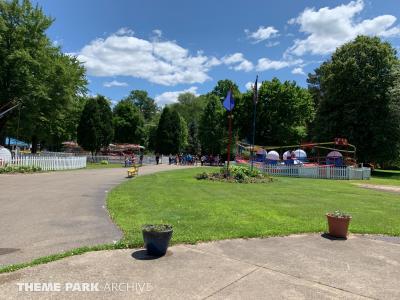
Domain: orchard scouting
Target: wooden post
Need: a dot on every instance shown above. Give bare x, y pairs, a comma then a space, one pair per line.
229, 142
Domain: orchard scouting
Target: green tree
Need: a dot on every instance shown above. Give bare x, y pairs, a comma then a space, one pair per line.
193, 138
95, 129
146, 105
211, 127
358, 100
128, 123
45, 82
222, 88
283, 112
190, 107
171, 133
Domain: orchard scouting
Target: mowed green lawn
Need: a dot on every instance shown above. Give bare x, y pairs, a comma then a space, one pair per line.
102, 166
205, 210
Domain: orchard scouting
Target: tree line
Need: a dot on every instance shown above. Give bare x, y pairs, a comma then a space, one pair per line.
354, 94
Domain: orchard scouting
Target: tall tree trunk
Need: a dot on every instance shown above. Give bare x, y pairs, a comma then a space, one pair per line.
2, 131
34, 144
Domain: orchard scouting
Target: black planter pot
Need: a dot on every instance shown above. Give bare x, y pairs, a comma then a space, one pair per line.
156, 239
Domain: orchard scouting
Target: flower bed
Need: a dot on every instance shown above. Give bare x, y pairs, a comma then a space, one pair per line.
236, 174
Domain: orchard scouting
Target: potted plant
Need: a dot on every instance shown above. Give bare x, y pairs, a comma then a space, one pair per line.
338, 223
156, 238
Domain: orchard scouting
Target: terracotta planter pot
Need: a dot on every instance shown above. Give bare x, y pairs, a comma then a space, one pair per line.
338, 227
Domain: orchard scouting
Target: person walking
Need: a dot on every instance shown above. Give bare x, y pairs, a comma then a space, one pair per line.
157, 159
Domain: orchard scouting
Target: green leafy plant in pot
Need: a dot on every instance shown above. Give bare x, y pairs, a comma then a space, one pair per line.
156, 238
338, 223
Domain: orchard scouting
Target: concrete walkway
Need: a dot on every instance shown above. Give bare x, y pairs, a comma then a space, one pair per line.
47, 213
294, 267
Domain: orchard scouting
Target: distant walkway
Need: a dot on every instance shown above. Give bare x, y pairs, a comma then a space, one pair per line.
47, 213
295, 267
384, 188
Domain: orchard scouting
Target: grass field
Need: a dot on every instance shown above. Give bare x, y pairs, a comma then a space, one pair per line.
101, 166
205, 210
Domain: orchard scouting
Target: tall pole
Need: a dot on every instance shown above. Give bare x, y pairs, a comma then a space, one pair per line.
230, 140
254, 122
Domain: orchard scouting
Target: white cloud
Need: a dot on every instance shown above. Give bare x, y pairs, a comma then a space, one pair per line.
298, 71
125, 31
250, 85
157, 32
262, 33
272, 44
267, 64
237, 62
161, 62
328, 28
114, 83
172, 97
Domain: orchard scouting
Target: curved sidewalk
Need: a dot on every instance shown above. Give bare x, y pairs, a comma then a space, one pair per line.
47, 213
295, 267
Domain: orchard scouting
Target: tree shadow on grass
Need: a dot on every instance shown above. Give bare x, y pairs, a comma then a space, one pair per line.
386, 174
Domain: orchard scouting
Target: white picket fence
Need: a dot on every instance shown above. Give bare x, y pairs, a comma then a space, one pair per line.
50, 163
322, 172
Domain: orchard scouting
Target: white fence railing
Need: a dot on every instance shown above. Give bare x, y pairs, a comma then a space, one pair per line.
50, 163
323, 172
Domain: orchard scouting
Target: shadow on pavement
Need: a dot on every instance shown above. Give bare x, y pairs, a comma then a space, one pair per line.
332, 238
142, 255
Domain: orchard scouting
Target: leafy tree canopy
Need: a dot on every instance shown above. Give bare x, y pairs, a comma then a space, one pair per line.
222, 88
211, 127
146, 105
45, 82
171, 132
190, 106
283, 111
95, 128
358, 98
128, 123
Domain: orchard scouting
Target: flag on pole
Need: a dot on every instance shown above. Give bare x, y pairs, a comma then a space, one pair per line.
229, 102
255, 95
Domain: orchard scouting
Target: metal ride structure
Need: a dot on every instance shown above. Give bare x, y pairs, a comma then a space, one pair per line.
8, 108
338, 153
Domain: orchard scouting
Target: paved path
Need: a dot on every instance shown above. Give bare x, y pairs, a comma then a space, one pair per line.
48, 213
385, 188
294, 267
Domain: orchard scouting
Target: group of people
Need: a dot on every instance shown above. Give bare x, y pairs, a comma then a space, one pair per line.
132, 160
178, 159
212, 160
183, 159
194, 160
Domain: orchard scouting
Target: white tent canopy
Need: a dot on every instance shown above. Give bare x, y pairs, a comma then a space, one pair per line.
273, 155
5, 154
300, 154
287, 155
334, 154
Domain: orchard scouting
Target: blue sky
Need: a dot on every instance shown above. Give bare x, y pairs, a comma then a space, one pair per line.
167, 47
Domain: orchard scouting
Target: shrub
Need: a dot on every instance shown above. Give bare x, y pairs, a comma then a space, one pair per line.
19, 169
104, 162
237, 173
203, 175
